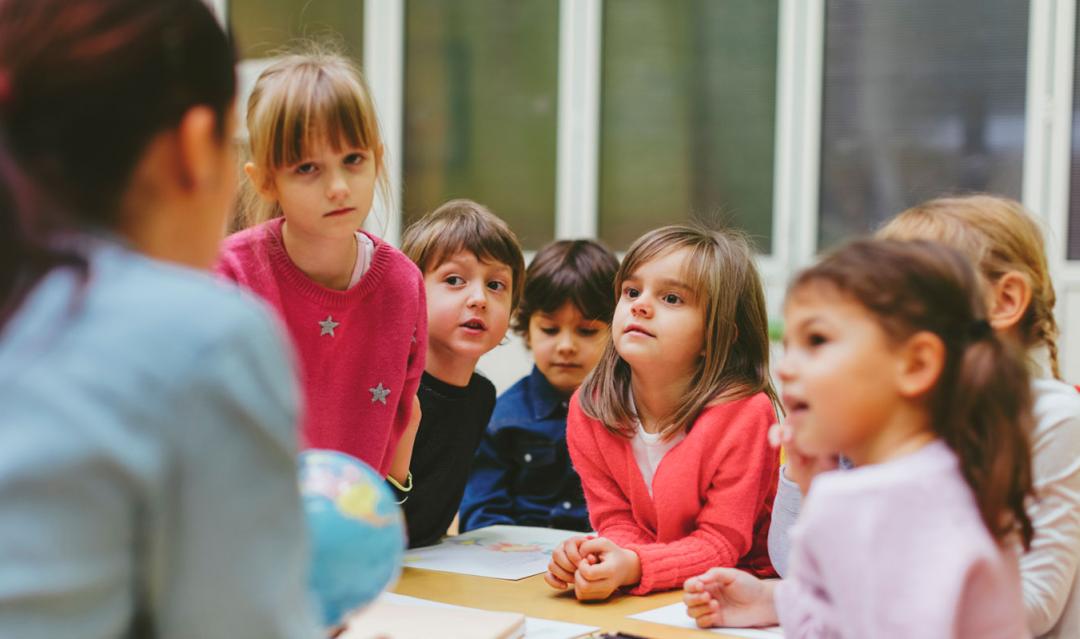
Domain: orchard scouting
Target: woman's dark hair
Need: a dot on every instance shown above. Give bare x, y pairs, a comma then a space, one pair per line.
581, 272
981, 404
85, 85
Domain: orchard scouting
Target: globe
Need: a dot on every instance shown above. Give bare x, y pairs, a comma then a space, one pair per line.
356, 528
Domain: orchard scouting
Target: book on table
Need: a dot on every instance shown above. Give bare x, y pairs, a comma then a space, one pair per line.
389, 620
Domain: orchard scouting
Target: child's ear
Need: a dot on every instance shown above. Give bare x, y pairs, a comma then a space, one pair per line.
1011, 297
262, 182
920, 362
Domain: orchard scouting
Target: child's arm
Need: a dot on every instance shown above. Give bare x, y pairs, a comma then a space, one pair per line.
1049, 568
404, 418
609, 507
399, 465
487, 499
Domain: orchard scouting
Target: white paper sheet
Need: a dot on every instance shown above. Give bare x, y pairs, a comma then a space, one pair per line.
502, 552
535, 628
675, 615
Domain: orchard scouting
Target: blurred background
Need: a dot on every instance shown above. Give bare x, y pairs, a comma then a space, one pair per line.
802, 122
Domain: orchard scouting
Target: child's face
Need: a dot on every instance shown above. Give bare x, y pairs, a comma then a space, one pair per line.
659, 324
468, 304
566, 346
838, 374
329, 193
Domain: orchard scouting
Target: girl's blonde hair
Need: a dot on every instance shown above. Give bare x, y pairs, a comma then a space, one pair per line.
721, 271
999, 236
299, 100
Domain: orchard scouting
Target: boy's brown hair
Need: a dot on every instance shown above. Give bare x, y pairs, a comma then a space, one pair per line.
581, 272
464, 225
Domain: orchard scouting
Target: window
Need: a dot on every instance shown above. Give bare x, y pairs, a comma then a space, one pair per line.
688, 113
920, 98
262, 27
481, 109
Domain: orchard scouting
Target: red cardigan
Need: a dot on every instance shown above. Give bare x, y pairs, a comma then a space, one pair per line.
712, 493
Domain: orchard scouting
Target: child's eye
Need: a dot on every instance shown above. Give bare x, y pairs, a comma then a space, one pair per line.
354, 158
672, 298
549, 330
496, 285
454, 280
306, 168
815, 339
588, 332
631, 292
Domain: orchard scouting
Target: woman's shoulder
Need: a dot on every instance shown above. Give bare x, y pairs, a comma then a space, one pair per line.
157, 321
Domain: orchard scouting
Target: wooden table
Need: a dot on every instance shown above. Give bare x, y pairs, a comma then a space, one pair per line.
534, 598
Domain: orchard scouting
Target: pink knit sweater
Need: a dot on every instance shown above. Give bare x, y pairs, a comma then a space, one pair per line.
361, 350
712, 493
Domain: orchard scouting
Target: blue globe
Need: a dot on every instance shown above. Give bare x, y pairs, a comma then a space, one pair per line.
356, 528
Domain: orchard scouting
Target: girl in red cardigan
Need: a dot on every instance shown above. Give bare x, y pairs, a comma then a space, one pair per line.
669, 433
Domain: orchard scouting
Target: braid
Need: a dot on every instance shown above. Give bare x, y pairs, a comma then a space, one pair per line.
1048, 332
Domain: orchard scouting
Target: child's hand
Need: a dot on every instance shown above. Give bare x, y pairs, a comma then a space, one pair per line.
614, 567
564, 562
729, 597
801, 468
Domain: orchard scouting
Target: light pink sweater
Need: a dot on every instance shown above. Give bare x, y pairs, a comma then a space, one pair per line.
898, 550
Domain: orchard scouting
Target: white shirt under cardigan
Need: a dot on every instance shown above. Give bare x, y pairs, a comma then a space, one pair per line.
649, 449
1049, 570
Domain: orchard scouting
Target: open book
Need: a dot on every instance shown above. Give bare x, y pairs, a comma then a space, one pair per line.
389, 620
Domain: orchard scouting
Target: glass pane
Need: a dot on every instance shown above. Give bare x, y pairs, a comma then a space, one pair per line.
921, 98
688, 113
1074, 180
262, 27
480, 109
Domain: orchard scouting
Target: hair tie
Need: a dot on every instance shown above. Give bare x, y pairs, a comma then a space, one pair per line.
979, 329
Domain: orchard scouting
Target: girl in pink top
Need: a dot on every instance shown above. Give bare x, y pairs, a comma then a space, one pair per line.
670, 432
354, 305
890, 361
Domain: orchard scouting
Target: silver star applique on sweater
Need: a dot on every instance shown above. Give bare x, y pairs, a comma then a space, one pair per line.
327, 326
379, 394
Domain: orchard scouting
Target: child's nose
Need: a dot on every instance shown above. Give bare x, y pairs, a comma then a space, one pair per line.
338, 187
785, 367
477, 296
640, 308
566, 343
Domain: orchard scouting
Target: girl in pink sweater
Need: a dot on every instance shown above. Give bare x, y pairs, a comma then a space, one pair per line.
890, 361
353, 304
670, 432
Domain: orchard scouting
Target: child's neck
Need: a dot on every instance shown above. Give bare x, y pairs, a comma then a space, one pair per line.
329, 262
449, 367
656, 397
907, 431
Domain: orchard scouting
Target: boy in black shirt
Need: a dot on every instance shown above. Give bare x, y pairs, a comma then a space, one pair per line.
473, 275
